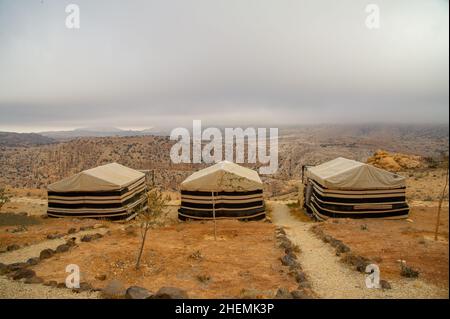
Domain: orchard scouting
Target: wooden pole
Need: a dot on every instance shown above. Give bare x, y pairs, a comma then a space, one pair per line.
214, 216
440, 206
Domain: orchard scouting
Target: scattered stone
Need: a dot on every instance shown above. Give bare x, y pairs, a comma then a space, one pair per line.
385, 284
46, 253
288, 260
12, 247
101, 277
409, 272
114, 290
54, 236
16, 266
283, 293
135, 292
170, 293
71, 241
23, 273
61, 285
298, 294
97, 226
86, 238
33, 261
342, 248
84, 286
304, 285
196, 255
280, 230
204, 278
97, 236
364, 227
359, 262
62, 248
51, 283
300, 277
83, 228
34, 280
72, 231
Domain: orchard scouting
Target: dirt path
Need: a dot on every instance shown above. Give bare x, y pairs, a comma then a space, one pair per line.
18, 290
332, 279
25, 253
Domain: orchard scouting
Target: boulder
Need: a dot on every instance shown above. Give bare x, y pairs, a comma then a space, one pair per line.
283, 293
62, 248
46, 253
114, 290
23, 273
385, 284
135, 292
12, 247
170, 293
16, 266
33, 261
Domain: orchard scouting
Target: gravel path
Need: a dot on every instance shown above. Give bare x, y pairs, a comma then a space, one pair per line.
332, 279
24, 253
18, 290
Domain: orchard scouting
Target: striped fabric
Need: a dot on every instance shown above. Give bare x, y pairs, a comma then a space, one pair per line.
112, 204
248, 205
326, 203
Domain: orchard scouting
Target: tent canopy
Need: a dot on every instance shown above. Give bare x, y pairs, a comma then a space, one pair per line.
223, 177
342, 173
107, 177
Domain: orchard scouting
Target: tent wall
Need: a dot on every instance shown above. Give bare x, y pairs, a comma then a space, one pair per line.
329, 203
113, 204
247, 205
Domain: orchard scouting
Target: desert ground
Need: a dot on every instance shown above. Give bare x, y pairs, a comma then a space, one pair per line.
244, 261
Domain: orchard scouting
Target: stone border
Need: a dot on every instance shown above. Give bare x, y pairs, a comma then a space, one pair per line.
295, 269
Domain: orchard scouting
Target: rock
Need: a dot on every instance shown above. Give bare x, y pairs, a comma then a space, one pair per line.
54, 236
385, 284
33, 261
12, 247
359, 262
101, 277
23, 273
280, 230
84, 286
170, 293
86, 238
135, 292
72, 231
83, 228
342, 248
3, 269
288, 260
46, 253
114, 290
71, 241
62, 248
304, 285
34, 280
300, 277
61, 285
409, 272
298, 294
97, 236
16, 266
283, 293
97, 226
51, 283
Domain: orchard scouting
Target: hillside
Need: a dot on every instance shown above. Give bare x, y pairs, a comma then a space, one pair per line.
11, 139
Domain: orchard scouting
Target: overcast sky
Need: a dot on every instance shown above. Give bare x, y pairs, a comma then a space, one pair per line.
139, 64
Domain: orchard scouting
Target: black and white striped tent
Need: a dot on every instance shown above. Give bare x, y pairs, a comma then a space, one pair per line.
350, 189
223, 190
111, 191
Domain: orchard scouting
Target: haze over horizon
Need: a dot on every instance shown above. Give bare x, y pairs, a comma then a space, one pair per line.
142, 64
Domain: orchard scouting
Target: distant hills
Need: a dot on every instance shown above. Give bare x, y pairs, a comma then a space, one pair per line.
98, 132
12, 139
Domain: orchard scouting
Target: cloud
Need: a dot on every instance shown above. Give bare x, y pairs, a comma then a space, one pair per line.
160, 63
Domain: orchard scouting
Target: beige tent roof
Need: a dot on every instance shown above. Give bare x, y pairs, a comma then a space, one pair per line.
342, 173
107, 177
223, 176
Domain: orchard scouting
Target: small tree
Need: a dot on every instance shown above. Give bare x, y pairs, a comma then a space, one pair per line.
3, 197
153, 215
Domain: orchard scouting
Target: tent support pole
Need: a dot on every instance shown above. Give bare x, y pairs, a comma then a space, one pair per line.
214, 216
